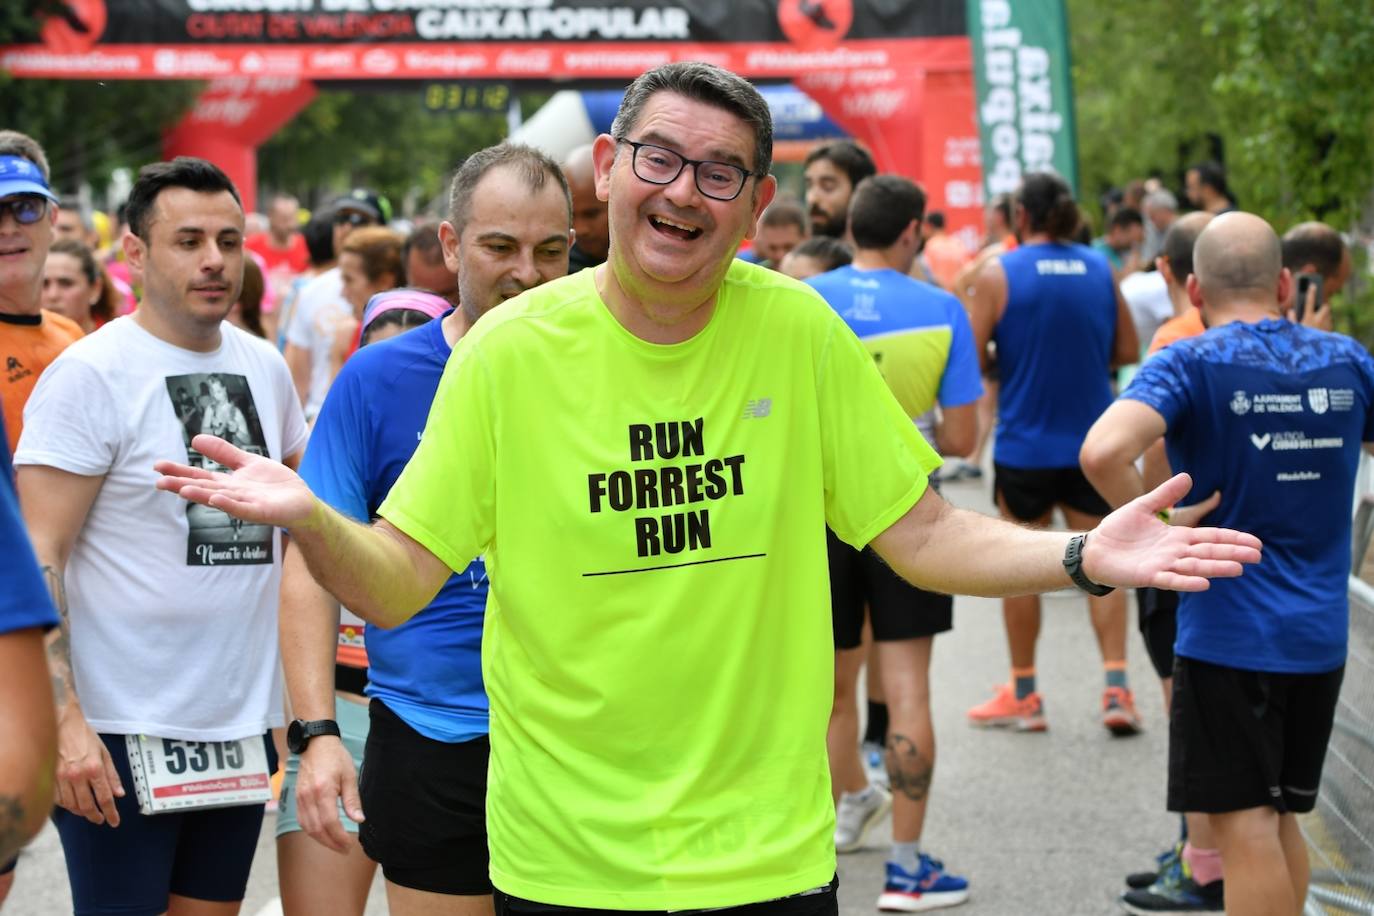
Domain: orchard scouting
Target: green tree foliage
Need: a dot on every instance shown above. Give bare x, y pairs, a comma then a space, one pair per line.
1282, 84
383, 138
1139, 77
1281, 87
90, 128
1293, 91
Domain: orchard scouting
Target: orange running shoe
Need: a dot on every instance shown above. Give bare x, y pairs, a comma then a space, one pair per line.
1118, 712
1005, 711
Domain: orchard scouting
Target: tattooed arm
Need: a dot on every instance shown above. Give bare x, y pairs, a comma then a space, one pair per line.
27, 739
55, 504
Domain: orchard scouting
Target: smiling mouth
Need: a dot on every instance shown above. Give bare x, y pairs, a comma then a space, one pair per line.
4, 252
673, 229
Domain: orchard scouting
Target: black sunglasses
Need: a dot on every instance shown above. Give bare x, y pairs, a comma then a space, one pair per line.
353, 218
27, 209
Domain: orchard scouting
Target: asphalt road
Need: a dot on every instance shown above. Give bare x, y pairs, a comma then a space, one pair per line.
1042, 825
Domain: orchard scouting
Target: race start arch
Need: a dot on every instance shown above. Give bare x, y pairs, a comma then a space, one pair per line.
899, 77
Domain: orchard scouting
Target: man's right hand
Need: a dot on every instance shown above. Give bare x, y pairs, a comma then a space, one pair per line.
1314, 315
87, 783
257, 489
327, 775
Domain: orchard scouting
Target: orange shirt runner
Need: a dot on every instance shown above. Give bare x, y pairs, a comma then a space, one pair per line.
1189, 324
28, 343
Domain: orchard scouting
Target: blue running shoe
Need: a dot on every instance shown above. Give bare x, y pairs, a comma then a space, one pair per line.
928, 889
1140, 880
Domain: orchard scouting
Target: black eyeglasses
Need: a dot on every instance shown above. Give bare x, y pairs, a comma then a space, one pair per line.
27, 209
353, 218
660, 165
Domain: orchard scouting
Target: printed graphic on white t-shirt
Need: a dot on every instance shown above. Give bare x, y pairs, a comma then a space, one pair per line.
219, 404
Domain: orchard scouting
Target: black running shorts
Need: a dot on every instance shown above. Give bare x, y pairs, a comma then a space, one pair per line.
899, 610
823, 901
1031, 493
425, 806
1248, 739
1157, 613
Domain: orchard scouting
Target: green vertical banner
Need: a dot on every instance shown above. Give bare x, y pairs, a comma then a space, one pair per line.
1025, 91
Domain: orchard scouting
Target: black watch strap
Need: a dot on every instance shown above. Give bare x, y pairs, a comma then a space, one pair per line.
299, 733
1073, 565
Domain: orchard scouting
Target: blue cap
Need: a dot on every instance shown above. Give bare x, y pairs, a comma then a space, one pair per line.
20, 176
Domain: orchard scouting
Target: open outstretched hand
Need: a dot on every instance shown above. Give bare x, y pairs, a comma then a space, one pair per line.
1133, 548
256, 489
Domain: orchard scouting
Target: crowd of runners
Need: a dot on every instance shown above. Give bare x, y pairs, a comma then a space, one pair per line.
570, 606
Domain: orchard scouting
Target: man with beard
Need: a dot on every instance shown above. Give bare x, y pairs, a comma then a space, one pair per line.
832, 172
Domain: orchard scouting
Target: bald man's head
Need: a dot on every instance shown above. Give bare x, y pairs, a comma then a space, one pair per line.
1237, 259
589, 213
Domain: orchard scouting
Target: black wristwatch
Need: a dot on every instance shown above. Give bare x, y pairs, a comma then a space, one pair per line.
299, 733
1073, 565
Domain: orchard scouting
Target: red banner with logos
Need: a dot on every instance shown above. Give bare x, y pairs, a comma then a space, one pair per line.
896, 75
603, 60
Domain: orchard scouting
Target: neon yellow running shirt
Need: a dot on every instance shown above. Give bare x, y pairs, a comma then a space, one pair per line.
658, 648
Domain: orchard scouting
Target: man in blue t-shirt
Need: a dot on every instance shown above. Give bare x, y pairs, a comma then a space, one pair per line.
1271, 416
1059, 324
28, 729
920, 338
423, 788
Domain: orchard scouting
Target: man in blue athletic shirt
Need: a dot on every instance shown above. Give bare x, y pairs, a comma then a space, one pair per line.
28, 729
1272, 415
920, 337
1053, 310
423, 787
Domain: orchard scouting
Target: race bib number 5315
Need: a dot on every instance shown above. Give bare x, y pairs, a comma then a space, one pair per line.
175, 775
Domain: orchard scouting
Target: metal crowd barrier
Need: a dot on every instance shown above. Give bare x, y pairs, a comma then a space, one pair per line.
1340, 832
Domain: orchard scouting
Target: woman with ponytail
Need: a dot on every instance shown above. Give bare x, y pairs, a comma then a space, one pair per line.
1053, 311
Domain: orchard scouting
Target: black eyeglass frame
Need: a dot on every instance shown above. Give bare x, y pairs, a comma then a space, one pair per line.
696, 165
12, 204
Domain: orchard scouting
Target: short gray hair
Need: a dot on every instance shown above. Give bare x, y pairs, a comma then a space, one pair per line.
1163, 199
711, 85
529, 163
13, 143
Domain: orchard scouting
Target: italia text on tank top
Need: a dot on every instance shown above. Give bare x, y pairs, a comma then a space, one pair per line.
1054, 348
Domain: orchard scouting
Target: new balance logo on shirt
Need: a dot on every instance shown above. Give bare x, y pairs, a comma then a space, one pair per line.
758, 408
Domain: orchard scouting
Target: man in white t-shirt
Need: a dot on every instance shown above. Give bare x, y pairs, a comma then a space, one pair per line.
321, 306
168, 615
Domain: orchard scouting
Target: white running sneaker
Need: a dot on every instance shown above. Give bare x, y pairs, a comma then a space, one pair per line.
856, 815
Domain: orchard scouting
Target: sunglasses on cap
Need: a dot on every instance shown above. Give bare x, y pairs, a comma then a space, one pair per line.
27, 209
353, 218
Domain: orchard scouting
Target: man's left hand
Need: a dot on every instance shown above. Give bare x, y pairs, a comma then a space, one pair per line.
1133, 548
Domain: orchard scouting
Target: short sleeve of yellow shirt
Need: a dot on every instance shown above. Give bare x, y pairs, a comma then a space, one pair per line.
658, 648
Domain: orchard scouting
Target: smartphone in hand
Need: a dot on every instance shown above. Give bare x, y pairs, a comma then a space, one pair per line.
1306, 281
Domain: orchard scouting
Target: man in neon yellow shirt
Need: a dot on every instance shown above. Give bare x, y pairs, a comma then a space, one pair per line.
648, 454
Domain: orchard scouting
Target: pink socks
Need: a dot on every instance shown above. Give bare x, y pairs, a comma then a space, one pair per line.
1205, 864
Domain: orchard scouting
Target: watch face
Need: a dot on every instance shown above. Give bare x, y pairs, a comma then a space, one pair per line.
295, 737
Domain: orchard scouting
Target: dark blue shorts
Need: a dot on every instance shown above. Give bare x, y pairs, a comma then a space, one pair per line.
131, 869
